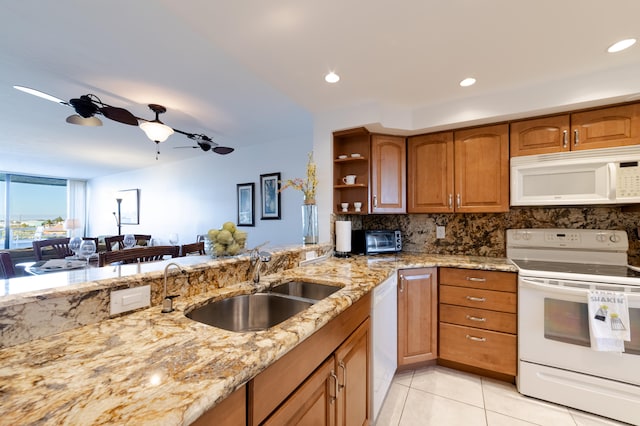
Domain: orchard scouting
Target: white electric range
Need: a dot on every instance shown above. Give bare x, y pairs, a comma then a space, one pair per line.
556, 270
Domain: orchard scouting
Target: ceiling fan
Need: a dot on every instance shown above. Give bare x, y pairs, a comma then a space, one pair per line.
205, 143
88, 106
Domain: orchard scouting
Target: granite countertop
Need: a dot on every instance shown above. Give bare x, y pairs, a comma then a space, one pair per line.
152, 368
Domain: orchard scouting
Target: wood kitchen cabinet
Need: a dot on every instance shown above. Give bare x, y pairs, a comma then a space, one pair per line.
590, 129
230, 412
478, 320
430, 185
466, 171
482, 169
324, 380
337, 393
417, 315
388, 174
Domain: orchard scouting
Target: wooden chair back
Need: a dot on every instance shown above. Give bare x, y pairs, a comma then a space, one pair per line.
95, 240
59, 246
137, 254
193, 248
6, 266
141, 239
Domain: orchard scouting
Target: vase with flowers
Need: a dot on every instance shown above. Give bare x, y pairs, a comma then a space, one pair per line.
309, 208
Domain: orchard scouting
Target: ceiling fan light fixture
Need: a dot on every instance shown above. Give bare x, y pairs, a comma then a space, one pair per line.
156, 130
82, 121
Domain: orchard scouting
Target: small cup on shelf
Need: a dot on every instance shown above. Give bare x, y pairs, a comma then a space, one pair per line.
345, 206
358, 206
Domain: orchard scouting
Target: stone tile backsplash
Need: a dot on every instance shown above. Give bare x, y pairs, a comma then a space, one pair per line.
484, 234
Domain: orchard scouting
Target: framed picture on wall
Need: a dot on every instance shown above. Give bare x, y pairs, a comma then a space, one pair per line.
270, 195
245, 204
129, 207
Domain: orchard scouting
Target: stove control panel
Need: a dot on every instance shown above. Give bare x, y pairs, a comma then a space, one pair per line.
583, 239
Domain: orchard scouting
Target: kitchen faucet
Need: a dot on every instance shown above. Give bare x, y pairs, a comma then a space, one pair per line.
167, 301
256, 258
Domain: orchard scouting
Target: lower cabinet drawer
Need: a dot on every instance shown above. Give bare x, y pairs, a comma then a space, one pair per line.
481, 299
480, 318
486, 349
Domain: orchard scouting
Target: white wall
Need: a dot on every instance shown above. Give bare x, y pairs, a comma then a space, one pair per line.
192, 196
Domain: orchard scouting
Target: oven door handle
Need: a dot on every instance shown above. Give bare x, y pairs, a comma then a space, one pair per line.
575, 291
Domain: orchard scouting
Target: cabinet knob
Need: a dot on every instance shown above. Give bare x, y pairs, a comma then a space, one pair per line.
576, 137
564, 138
458, 200
476, 339
476, 280
476, 299
450, 201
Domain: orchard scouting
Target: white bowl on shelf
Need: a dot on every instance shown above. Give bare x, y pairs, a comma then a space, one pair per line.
356, 155
342, 157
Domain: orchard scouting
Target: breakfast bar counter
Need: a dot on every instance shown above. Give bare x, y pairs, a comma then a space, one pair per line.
148, 367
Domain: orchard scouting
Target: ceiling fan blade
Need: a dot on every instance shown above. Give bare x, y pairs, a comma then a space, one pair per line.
223, 150
40, 94
180, 147
120, 115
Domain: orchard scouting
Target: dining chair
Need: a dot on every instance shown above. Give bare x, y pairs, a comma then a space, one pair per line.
141, 239
193, 248
95, 240
137, 254
54, 248
6, 266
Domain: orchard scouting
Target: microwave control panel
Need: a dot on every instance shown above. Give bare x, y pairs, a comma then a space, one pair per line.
628, 179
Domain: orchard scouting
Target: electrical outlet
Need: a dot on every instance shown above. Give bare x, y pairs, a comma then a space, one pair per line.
130, 299
439, 231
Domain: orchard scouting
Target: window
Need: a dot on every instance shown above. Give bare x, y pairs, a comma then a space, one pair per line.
32, 208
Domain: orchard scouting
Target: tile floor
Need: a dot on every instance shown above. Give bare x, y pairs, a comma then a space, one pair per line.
441, 396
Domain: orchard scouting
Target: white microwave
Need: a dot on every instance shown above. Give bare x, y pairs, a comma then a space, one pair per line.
597, 176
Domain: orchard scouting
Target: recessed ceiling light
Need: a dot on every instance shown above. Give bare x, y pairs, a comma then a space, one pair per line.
621, 45
332, 77
469, 81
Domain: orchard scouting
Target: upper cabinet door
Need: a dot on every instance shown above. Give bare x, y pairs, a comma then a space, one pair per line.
482, 169
540, 135
430, 173
606, 127
388, 174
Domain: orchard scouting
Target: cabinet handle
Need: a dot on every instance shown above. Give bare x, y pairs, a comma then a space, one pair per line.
335, 387
477, 280
476, 339
344, 375
450, 201
458, 200
564, 138
576, 138
478, 319
476, 299
401, 287
375, 201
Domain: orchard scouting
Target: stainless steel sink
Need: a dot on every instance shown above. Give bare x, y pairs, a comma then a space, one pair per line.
305, 290
248, 312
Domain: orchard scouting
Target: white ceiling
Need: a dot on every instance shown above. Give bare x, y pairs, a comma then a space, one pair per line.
251, 71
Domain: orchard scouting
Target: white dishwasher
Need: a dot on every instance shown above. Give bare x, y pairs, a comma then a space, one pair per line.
384, 345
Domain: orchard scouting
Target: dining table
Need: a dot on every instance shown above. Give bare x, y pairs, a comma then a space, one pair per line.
58, 265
